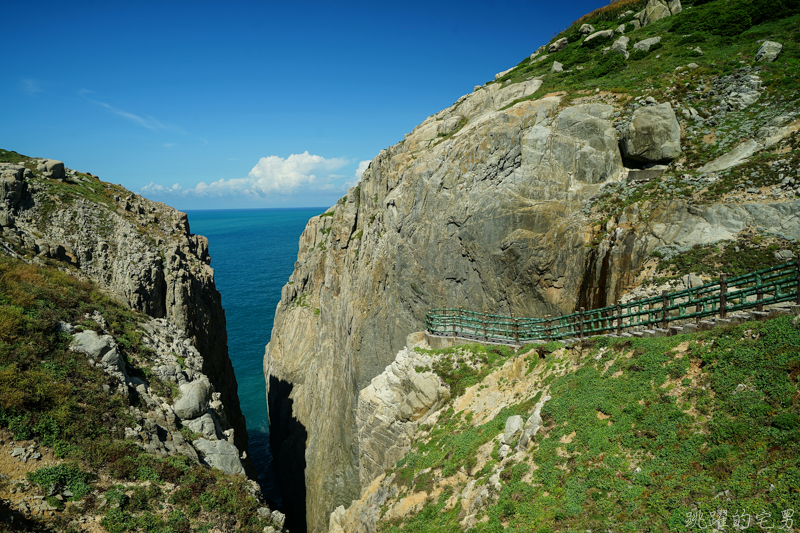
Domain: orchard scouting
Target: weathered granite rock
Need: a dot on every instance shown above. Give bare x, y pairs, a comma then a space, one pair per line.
621, 46
513, 427
390, 408
488, 218
524, 171
503, 73
645, 44
586, 29
542, 49
557, 67
558, 45
737, 156
657, 10
602, 35
142, 252
51, 168
220, 454
532, 425
653, 135
769, 51
204, 425
194, 399
92, 344
11, 185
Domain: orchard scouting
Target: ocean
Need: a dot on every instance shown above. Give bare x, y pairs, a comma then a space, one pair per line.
253, 253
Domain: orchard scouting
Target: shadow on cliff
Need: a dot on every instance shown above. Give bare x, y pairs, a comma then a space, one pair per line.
287, 439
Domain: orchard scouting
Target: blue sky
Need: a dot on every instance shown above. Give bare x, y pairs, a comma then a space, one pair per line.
247, 104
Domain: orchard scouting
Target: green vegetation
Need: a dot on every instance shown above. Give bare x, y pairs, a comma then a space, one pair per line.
465, 365
747, 254
9, 156
588, 68
54, 396
641, 433
67, 475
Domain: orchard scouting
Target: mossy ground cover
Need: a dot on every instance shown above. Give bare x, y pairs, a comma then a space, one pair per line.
55, 397
653, 72
646, 435
748, 253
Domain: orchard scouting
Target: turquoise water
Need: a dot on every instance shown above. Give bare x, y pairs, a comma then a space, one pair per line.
253, 253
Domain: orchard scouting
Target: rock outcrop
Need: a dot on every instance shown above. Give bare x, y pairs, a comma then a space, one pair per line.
144, 254
390, 409
658, 9
653, 135
769, 51
485, 205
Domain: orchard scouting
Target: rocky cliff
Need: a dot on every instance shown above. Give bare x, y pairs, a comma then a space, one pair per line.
540, 192
145, 256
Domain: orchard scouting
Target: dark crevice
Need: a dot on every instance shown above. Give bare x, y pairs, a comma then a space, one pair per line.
287, 437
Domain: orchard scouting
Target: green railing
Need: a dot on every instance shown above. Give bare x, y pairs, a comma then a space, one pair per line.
755, 290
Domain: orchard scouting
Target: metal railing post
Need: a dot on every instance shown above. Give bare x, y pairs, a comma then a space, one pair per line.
549, 326
759, 297
723, 295
580, 319
664, 305
698, 308
797, 279
516, 331
619, 319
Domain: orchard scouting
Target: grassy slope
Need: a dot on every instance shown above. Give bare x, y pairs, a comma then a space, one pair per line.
678, 435
672, 436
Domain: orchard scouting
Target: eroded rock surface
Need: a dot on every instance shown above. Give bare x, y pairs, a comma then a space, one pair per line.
480, 207
141, 252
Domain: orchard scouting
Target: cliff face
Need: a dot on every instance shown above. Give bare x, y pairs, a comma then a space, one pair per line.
142, 252
482, 206
524, 202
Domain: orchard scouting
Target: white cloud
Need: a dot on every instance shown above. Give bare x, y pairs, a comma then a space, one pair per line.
362, 166
160, 189
31, 86
145, 121
271, 175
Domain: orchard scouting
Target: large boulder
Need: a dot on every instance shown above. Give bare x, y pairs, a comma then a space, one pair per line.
513, 427
501, 74
605, 34
769, 51
205, 426
194, 399
586, 29
657, 10
92, 344
621, 46
50, 168
102, 349
580, 145
645, 44
11, 184
653, 135
533, 425
220, 454
558, 45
